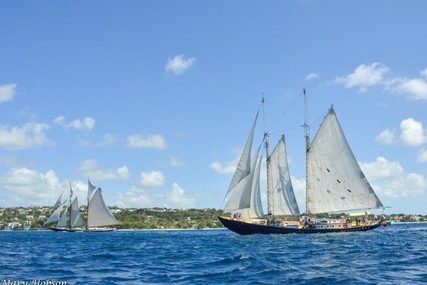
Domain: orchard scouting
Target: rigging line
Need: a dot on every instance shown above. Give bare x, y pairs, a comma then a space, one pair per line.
320, 118
285, 112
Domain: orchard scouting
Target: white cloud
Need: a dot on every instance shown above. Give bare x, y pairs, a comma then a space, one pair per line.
412, 132
364, 76
146, 141
176, 162
386, 137
367, 75
311, 76
422, 155
90, 169
85, 124
134, 199
107, 140
224, 169
416, 87
179, 64
7, 92
152, 179
389, 179
31, 135
178, 199
29, 186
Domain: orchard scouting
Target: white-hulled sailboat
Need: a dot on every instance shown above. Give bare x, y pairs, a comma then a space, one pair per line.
334, 183
69, 219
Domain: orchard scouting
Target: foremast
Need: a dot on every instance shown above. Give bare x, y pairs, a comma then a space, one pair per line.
267, 158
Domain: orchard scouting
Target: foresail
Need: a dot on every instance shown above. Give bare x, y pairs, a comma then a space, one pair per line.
62, 223
255, 208
76, 218
335, 181
59, 201
55, 216
99, 214
243, 168
282, 199
240, 197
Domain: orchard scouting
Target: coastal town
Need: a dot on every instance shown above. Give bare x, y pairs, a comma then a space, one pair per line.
33, 218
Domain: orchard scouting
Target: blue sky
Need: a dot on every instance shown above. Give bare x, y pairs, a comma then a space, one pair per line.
153, 100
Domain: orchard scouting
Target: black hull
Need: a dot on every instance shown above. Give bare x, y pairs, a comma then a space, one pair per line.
66, 230
244, 228
98, 230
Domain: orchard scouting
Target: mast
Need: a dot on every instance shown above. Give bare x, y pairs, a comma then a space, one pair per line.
267, 158
90, 188
69, 209
307, 146
87, 206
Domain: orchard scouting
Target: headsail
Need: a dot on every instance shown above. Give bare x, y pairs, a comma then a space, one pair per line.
243, 168
55, 215
62, 223
98, 212
283, 201
255, 208
76, 218
335, 181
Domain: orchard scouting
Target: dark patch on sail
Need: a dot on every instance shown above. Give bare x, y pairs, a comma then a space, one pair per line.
328, 169
338, 181
348, 190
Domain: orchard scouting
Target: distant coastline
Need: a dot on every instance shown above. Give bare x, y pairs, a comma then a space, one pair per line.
132, 219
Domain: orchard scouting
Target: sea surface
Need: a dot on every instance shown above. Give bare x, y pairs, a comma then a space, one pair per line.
396, 254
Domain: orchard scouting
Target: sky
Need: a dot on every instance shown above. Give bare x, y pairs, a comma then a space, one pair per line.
154, 100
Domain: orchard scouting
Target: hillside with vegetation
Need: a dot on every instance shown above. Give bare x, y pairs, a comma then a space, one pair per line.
19, 218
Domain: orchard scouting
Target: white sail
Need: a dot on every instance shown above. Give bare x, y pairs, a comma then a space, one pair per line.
241, 196
98, 213
59, 201
282, 198
243, 168
90, 188
55, 216
255, 209
62, 223
76, 218
335, 181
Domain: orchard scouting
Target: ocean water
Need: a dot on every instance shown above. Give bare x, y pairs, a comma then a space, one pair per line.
396, 254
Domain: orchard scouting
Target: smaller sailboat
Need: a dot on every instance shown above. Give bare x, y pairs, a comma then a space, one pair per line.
335, 183
68, 217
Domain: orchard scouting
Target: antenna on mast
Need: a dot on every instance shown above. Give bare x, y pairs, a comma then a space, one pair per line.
306, 126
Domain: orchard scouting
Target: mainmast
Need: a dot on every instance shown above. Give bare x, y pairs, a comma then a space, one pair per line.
267, 157
87, 205
307, 146
69, 209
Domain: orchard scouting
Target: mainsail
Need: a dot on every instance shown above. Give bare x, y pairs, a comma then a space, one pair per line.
243, 168
335, 181
98, 212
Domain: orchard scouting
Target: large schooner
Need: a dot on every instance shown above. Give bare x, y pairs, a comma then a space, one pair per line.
335, 183
69, 219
